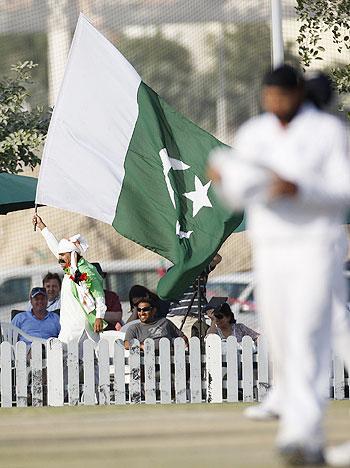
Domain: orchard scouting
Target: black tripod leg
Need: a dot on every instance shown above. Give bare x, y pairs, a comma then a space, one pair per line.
188, 309
199, 293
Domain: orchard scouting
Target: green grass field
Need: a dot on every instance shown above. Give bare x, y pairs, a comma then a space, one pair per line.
145, 436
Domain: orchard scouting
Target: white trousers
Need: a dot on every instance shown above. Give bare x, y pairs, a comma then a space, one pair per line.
294, 295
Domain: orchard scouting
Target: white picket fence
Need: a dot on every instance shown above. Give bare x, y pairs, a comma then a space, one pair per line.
225, 371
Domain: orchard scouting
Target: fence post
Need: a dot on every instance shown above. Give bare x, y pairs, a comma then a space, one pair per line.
103, 368
89, 372
180, 370
37, 374
195, 370
135, 373
54, 372
119, 372
339, 378
213, 368
263, 368
247, 368
6, 374
150, 372
165, 371
232, 369
21, 374
71, 372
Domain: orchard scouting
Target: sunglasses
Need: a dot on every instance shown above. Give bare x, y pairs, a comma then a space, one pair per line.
61, 260
144, 309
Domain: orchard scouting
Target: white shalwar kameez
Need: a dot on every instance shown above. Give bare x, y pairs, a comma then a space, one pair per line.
294, 241
74, 324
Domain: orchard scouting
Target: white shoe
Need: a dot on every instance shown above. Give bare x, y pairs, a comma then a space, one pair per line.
338, 455
260, 413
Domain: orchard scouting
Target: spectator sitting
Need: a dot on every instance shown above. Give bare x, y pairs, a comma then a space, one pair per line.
52, 284
114, 313
150, 326
224, 324
37, 320
138, 292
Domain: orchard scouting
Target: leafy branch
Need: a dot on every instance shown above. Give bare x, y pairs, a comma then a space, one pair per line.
318, 17
22, 130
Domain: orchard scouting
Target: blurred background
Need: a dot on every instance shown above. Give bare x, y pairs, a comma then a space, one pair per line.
205, 57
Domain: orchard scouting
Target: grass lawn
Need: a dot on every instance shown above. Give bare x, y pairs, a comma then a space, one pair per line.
145, 436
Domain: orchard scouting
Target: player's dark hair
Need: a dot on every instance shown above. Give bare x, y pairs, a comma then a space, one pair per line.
285, 76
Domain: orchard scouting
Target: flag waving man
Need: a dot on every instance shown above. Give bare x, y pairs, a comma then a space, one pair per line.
82, 297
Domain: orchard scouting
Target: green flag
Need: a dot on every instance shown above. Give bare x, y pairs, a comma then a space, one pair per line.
167, 203
141, 164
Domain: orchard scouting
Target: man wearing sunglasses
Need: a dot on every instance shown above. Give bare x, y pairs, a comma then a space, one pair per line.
150, 326
37, 321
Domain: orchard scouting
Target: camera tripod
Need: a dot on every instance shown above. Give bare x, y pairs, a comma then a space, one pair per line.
201, 299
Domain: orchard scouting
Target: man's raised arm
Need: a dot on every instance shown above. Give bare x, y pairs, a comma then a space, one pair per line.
51, 240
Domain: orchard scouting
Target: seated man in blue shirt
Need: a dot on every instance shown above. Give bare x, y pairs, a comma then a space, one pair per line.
37, 321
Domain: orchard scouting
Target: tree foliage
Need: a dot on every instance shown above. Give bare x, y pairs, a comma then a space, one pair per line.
22, 129
17, 47
318, 17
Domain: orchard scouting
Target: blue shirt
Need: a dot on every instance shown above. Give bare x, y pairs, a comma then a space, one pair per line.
46, 328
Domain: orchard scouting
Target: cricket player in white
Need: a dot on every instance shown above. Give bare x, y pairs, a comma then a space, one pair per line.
290, 169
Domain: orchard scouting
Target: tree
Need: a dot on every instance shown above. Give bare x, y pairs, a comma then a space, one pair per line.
17, 47
318, 17
22, 130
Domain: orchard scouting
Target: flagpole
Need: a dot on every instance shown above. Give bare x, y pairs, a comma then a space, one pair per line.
277, 33
35, 213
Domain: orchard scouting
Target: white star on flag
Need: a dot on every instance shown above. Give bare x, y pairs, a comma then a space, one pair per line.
170, 163
199, 196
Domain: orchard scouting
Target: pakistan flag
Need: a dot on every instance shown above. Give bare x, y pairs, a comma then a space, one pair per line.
117, 152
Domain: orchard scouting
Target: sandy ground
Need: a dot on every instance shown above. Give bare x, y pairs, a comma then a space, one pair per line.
145, 436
